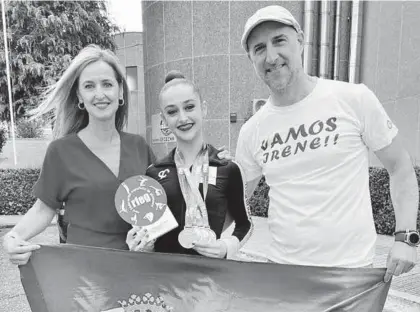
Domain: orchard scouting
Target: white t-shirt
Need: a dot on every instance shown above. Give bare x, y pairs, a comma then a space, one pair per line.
314, 156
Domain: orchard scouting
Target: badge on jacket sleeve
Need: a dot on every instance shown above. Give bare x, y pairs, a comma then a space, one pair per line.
141, 201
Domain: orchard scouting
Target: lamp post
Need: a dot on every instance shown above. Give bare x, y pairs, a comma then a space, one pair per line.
9, 86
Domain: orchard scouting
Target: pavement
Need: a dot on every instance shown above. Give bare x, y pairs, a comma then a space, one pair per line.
404, 294
10, 221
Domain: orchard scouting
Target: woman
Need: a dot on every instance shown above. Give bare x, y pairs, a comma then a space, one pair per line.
88, 159
202, 190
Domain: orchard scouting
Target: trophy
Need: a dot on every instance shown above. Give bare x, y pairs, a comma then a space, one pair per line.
141, 201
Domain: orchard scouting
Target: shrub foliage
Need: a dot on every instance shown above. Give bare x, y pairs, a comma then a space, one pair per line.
15, 190
3, 135
29, 129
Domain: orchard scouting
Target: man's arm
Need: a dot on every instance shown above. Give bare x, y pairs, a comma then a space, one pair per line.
403, 184
405, 199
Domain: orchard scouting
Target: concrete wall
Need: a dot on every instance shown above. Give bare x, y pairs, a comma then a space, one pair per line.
390, 64
130, 54
202, 39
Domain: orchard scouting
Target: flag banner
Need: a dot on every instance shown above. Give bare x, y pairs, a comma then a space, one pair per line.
77, 278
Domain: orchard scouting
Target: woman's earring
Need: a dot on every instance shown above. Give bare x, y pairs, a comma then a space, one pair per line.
81, 106
120, 102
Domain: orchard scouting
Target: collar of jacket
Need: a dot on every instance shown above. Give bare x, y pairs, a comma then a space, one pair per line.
213, 159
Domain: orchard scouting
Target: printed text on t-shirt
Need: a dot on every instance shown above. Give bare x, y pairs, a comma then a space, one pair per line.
316, 135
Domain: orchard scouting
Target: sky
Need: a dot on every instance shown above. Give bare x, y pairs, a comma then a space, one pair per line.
127, 14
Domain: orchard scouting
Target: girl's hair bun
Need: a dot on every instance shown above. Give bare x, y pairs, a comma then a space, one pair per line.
174, 74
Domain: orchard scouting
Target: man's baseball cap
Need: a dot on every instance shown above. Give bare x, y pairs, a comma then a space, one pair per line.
274, 13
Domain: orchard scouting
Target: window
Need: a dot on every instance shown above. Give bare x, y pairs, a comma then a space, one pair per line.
131, 76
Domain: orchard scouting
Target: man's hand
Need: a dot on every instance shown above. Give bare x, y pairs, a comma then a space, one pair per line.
224, 153
401, 259
218, 249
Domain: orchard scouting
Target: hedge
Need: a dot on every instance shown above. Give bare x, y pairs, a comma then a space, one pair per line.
16, 186
383, 210
15, 190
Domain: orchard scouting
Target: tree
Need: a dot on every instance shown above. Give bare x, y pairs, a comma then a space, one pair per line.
43, 37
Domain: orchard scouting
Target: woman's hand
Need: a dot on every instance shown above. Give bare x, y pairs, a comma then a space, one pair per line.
218, 249
138, 240
18, 250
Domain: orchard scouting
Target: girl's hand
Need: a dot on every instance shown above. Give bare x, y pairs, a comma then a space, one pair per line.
138, 240
218, 249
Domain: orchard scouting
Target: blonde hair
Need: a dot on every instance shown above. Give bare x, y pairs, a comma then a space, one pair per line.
62, 96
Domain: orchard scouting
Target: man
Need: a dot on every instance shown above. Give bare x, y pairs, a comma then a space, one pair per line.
311, 142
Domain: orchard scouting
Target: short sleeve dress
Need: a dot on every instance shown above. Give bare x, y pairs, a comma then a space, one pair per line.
74, 175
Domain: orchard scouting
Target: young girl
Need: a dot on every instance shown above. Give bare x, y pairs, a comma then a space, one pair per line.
88, 159
202, 189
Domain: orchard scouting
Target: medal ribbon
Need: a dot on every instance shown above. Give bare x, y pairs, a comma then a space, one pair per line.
196, 214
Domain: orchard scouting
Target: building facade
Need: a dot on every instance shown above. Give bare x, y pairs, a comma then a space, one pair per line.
370, 42
130, 53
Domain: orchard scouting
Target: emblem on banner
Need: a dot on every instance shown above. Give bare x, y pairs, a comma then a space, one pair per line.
146, 303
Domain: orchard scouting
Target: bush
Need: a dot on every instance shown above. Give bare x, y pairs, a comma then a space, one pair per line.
29, 129
259, 201
4, 134
383, 211
15, 190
